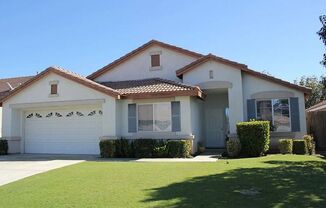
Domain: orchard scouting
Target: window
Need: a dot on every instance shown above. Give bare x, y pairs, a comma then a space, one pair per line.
154, 117
54, 89
155, 60
277, 112
211, 75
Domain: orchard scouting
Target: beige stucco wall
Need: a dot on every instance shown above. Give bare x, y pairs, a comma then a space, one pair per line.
224, 74
253, 85
197, 121
138, 67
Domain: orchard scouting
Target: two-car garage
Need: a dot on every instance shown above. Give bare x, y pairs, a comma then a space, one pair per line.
65, 130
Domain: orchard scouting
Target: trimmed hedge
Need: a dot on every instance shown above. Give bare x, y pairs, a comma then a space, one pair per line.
145, 148
254, 137
179, 148
233, 147
311, 146
108, 148
300, 147
160, 149
285, 146
3, 147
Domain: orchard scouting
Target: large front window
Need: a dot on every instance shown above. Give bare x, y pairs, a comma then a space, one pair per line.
277, 112
154, 117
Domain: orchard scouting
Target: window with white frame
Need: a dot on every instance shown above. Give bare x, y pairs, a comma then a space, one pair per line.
154, 117
277, 111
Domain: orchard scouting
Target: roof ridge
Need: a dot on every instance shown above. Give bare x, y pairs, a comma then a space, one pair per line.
177, 83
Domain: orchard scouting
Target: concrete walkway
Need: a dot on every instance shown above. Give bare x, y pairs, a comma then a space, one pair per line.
16, 167
199, 158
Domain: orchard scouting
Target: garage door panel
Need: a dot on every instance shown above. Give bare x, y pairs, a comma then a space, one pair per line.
63, 131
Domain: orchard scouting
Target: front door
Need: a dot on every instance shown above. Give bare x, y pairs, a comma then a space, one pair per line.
215, 128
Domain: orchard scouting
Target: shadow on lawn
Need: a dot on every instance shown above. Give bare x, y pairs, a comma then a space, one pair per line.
288, 184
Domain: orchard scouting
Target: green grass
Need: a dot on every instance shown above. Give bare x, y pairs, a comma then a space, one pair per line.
281, 181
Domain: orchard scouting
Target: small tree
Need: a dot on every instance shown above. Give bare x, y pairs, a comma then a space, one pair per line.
322, 35
318, 88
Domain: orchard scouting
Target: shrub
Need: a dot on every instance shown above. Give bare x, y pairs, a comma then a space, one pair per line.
108, 148
143, 148
3, 147
310, 144
233, 147
285, 146
201, 147
179, 148
300, 147
123, 148
159, 149
254, 137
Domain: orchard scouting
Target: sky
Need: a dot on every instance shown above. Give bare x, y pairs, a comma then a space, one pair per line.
275, 36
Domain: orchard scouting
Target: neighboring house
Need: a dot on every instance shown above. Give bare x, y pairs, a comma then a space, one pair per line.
316, 123
6, 85
156, 91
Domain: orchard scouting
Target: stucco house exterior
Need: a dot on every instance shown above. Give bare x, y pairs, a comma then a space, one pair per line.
155, 91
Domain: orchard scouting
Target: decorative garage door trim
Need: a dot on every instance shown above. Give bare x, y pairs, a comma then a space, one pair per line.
74, 130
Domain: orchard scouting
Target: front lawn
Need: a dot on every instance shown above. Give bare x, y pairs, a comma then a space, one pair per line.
272, 181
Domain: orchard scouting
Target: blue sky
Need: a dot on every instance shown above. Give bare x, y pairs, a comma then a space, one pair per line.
277, 36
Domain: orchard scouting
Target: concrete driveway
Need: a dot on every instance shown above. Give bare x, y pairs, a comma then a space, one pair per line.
16, 167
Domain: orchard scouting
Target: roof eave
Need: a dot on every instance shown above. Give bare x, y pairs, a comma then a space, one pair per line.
152, 95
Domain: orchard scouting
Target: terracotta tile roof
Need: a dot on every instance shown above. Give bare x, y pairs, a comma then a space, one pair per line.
242, 67
68, 75
154, 87
13, 82
139, 50
319, 106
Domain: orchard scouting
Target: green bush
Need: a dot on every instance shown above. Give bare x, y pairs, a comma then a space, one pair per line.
159, 150
179, 148
123, 148
300, 147
3, 147
233, 147
254, 137
310, 144
285, 146
108, 148
143, 148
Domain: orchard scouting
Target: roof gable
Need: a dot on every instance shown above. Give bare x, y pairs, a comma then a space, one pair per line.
66, 74
140, 50
241, 67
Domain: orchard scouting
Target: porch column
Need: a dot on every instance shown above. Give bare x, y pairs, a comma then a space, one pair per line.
235, 108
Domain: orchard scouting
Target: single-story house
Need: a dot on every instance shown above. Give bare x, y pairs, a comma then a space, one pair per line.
156, 91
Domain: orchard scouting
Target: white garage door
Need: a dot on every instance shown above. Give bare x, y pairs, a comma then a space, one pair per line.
74, 130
